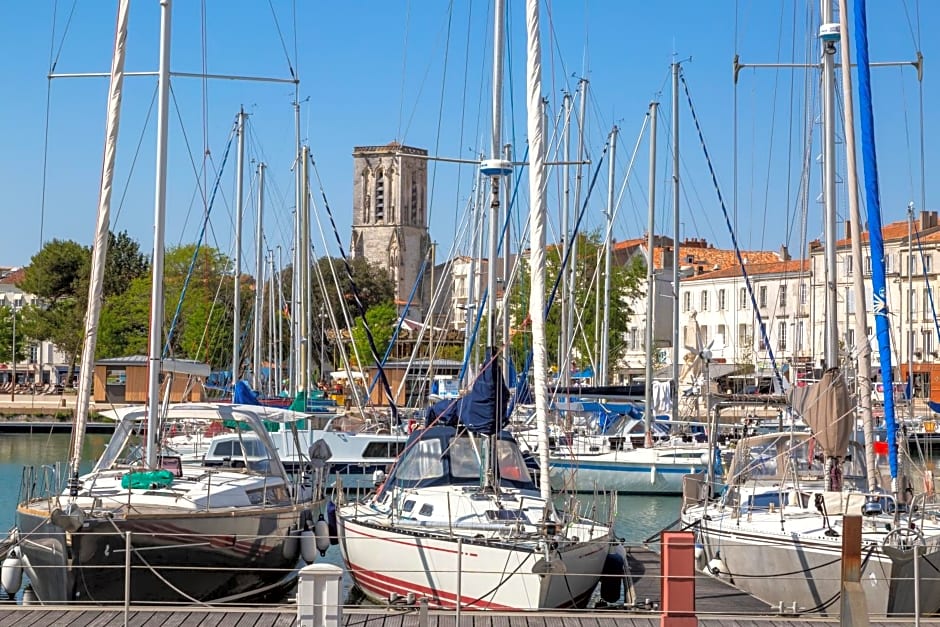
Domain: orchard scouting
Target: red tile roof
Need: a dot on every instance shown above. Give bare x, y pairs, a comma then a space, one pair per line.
793, 266
13, 277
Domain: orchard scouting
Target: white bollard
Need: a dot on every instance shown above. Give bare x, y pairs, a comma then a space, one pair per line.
318, 596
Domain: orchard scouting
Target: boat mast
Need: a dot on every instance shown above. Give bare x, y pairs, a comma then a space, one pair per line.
873, 203
239, 200
259, 280
831, 348
155, 357
495, 168
863, 348
674, 388
564, 371
99, 250
650, 281
296, 346
609, 215
537, 226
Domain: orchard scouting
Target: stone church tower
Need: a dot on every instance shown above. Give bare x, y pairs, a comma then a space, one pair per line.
390, 218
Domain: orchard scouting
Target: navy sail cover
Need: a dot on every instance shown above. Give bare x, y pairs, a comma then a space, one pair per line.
483, 408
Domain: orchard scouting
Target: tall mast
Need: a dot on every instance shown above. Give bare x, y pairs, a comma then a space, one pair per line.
650, 280
495, 168
239, 200
273, 317
155, 356
259, 280
564, 339
303, 270
674, 388
863, 355
100, 249
573, 244
831, 349
537, 225
605, 326
296, 346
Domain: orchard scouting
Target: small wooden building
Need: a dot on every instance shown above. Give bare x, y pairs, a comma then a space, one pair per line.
417, 383
124, 379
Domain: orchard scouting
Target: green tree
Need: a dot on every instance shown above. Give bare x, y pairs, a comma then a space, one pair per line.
7, 338
123, 263
626, 285
382, 320
56, 272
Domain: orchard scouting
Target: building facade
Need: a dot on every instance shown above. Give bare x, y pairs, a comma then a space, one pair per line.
390, 219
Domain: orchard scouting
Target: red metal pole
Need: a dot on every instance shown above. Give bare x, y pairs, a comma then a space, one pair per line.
678, 583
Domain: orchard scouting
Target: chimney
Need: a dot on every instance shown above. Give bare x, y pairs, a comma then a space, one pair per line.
784, 253
928, 219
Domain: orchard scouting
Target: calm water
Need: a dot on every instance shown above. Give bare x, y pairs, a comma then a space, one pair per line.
636, 518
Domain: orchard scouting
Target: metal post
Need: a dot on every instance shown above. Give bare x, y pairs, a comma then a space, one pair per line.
259, 280
239, 200
674, 392
829, 189
127, 576
853, 609
650, 281
13, 355
459, 601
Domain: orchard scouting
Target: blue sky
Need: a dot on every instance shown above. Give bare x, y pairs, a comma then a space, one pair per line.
419, 72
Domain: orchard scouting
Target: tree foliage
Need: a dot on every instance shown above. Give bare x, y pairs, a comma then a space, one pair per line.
382, 320
7, 338
626, 284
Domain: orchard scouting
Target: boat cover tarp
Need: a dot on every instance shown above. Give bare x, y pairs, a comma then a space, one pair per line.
147, 480
482, 409
246, 396
828, 411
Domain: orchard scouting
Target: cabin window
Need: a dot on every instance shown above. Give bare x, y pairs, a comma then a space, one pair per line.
408, 506
223, 448
511, 464
378, 449
464, 459
426, 510
423, 461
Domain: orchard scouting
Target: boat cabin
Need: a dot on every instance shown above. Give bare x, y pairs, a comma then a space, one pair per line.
442, 455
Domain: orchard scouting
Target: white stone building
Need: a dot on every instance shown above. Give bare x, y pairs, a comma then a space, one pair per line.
43, 362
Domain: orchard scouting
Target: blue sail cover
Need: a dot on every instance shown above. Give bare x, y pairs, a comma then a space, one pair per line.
244, 395
876, 240
483, 409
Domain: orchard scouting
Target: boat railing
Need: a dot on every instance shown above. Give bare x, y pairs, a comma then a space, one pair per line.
638, 586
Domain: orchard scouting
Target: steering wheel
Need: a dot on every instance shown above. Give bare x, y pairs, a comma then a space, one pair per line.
904, 537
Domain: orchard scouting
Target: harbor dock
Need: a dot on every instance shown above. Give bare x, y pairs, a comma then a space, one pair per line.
377, 617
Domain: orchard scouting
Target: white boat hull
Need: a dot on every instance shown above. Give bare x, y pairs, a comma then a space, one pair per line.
618, 473
805, 570
474, 574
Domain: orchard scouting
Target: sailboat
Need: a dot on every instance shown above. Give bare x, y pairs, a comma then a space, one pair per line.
785, 547
459, 519
636, 453
141, 527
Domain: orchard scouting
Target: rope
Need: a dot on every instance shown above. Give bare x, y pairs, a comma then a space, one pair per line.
357, 298
734, 239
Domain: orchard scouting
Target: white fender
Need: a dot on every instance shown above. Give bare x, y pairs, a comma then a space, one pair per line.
322, 532
291, 546
653, 474
12, 572
308, 546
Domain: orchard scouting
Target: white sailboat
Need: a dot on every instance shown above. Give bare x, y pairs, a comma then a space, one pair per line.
459, 519
787, 549
140, 526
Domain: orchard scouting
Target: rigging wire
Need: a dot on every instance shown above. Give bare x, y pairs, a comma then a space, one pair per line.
734, 240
